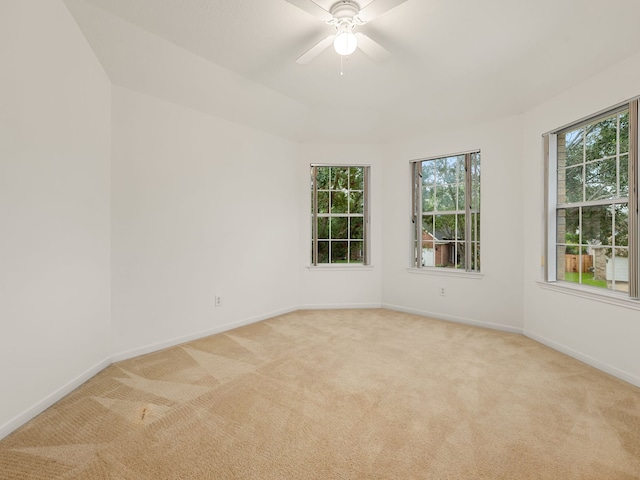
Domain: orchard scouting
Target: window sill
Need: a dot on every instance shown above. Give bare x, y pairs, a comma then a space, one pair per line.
334, 268
445, 272
592, 293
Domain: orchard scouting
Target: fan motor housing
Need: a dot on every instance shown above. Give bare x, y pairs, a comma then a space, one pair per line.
345, 10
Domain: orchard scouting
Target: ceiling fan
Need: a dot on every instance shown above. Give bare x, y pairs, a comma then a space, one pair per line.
344, 15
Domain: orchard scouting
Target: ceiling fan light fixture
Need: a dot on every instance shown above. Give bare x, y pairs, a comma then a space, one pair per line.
345, 42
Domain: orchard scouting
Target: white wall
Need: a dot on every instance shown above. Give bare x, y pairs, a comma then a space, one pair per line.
603, 335
54, 208
201, 207
328, 287
495, 299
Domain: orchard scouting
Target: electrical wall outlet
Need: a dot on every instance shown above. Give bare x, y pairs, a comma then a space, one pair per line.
218, 301
443, 292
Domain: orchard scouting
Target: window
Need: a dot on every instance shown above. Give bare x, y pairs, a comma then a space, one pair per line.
592, 233
446, 212
339, 214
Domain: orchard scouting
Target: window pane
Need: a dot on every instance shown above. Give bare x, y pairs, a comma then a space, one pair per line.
323, 252
624, 176
428, 235
427, 223
460, 169
339, 178
445, 227
601, 139
356, 178
461, 197
339, 202
475, 197
617, 270
597, 225
451, 170
323, 178
356, 231
428, 172
617, 273
622, 252
475, 227
475, 256
356, 252
475, 181
457, 260
446, 198
440, 171
573, 182
339, 227
461, 227
445, 254
601, 180
428, 199
560, 262
339, 252
429, 242
323, 202
561, 196
446, 170
573, 147
356, 202
621, 231
624, 132
323, 227
568, 226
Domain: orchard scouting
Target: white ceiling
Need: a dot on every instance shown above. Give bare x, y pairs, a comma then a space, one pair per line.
454, 61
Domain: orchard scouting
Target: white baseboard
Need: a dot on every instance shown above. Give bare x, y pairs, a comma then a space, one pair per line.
339, 306
154, 347
52, 398
616, 372
453, 318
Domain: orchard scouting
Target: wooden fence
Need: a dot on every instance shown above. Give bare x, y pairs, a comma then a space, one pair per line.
572, 262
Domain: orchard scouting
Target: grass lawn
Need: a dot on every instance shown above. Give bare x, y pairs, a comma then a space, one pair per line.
587, 279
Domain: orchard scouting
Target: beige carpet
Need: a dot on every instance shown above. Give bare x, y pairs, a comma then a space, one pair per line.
360, 394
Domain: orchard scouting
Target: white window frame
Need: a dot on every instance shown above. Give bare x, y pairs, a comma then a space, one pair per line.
315, 215
417, 216
550, 274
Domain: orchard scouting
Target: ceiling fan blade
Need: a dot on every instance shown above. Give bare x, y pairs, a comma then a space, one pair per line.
371, 48
377, 8
312, 8
316, 50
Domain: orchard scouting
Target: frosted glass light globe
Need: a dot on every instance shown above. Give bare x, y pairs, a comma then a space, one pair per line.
345, 43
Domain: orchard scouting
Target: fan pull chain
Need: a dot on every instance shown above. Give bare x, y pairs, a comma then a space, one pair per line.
341, 65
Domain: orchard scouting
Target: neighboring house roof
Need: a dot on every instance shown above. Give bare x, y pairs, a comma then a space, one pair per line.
437, 237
